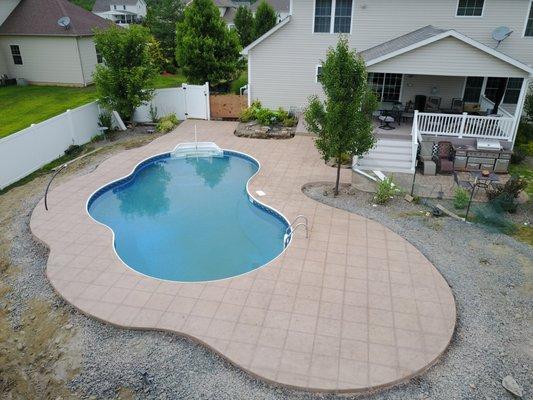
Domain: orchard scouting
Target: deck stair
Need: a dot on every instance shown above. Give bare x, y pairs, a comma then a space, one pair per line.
389, 155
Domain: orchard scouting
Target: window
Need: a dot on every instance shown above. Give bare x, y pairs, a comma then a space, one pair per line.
493, 87
386, 86
123, 7
322, 16
529, 22
15, 52
333, 16
512, 92
114, 6
318, 73
473, 88
470, 8
343, 16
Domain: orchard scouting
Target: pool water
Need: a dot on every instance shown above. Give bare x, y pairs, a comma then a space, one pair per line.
190, 219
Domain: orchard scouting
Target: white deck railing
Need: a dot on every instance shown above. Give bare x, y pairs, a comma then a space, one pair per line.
464, 125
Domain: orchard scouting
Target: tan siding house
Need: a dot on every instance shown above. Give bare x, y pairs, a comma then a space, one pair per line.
34, 47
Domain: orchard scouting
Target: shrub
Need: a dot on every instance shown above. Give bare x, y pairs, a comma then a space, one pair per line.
105, 120
512, 188
167, 123
386, 191
248, 114
73, 150
153, 113
265, 117
460, 199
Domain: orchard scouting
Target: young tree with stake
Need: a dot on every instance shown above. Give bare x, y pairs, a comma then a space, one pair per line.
343, 121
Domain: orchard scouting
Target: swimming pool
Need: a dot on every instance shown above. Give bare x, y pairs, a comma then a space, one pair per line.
190, 219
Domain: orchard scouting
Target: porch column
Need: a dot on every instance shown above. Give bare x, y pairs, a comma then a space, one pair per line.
519, 110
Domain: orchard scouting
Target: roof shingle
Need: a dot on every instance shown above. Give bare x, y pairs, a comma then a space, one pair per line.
39, 18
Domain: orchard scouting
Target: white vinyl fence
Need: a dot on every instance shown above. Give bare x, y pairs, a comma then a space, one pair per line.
187, 101
29, 149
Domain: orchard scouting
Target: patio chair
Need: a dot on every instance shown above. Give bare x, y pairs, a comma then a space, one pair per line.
426, 158
386, 119
467, 185
433, 104
458, 106
444, 158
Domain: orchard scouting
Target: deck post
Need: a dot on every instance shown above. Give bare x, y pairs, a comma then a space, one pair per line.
518, 111
463, 123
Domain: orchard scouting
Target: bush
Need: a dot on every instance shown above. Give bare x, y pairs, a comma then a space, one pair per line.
248, 114
524, 138
267, 117
511, 188
167, 123
105, 120
386, 191
73, 150
460, 199
153, 113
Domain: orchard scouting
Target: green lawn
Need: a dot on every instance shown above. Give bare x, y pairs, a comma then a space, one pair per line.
21, 106
169, 81
525, 170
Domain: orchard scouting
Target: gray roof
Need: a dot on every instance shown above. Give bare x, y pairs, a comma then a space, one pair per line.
39, 17
278, 5
105, 5
401, 42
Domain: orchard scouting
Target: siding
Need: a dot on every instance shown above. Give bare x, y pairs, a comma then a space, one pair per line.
283, 66
88, 58
451, 57
6, 6
46, 60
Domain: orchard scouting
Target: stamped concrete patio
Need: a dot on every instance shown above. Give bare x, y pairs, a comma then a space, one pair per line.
353, 307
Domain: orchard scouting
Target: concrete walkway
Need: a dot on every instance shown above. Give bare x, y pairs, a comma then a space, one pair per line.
353, 307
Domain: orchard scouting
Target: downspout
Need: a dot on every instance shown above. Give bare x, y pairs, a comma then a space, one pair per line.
81, 63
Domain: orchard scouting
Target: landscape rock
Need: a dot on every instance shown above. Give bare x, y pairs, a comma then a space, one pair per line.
256, 131
512, 386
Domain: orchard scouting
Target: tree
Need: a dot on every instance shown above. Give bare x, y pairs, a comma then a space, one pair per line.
161, 18
123, 81
343, 121
244, 23
206, 50
265, 19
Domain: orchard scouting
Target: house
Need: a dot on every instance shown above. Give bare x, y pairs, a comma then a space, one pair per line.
123, 12
228, 8
443, 49
36, 48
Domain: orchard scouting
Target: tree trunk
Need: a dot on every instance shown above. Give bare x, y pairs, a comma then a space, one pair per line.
336, 192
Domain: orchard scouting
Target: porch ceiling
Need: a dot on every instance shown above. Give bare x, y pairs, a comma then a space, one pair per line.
433, 51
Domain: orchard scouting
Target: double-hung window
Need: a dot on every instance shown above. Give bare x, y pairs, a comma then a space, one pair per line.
15, 53
333, 16
386, 86
470, 8
529, 22
318, 73
512, 92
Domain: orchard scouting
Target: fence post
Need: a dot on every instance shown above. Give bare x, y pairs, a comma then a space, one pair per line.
207, 103
463, 123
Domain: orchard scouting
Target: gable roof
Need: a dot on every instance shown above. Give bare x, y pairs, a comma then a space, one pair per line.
427, 35
39, 18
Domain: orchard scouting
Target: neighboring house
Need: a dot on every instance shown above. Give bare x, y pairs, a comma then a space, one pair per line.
228, 8
442, 49
123, 12
34, 47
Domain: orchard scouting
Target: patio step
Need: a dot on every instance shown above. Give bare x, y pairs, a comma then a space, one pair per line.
389, 156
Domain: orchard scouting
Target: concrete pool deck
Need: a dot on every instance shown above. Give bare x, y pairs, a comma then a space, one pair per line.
352, 308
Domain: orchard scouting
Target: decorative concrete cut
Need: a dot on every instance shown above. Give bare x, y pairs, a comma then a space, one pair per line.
352, 308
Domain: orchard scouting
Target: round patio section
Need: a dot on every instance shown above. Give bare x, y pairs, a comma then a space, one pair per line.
351, 308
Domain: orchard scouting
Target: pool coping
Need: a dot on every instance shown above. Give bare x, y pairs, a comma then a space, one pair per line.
79, 305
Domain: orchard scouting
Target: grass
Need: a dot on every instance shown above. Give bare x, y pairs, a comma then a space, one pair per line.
21, 106
87, 4
239, 82
169, 81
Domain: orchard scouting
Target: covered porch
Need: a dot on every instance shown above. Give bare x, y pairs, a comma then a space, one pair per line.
438, 85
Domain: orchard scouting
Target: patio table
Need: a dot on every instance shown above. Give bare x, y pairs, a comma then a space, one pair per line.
484, 181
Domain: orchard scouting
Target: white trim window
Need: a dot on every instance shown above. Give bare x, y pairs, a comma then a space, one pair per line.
333, 16
387, 87
470, 8
529, 22
513, 86
15, 53
318, 75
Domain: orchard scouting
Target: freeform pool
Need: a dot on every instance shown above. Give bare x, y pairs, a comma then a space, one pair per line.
190, 219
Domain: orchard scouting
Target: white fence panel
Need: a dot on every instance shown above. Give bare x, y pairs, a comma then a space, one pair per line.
197, 101
29, 149
167, 101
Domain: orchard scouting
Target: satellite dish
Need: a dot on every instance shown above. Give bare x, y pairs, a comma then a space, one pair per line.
501, 33
64, 22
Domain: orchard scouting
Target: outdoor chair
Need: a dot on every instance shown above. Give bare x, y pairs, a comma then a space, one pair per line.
458, 106
426, 158
433, 104
444, 159
467, 185
386, 119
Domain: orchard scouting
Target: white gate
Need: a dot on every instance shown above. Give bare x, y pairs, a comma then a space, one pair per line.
196, 101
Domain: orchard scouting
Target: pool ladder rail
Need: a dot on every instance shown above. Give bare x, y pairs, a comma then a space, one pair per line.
294, 226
